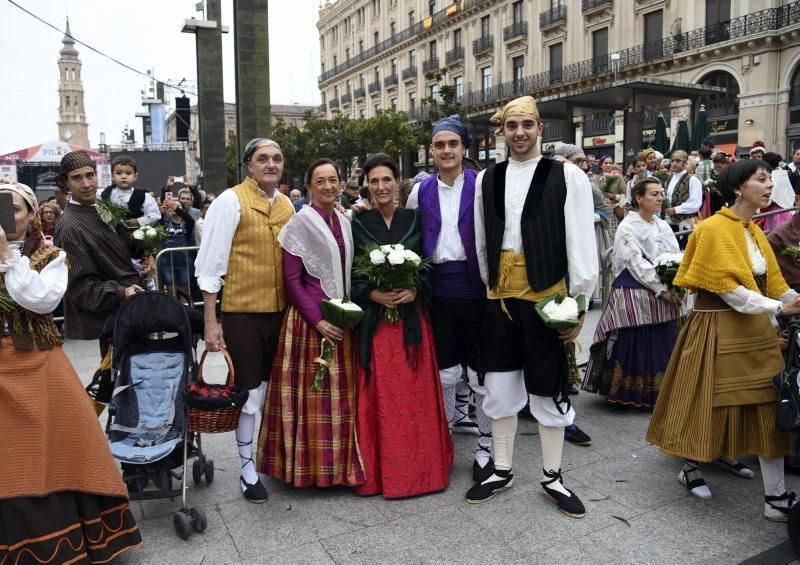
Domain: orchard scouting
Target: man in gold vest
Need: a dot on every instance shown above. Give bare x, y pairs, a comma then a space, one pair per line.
240, 243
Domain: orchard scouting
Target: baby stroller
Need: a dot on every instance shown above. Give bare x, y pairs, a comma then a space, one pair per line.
153, 357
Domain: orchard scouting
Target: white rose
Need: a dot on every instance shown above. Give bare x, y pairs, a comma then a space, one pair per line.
138, 234
150, 231
566, 311
386, 249
396, 258
411, 256
376, 257
398, 247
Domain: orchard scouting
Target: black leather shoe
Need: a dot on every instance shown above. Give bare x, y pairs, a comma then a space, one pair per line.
569, 505
574, 434
497, 482
480, 474
256, 493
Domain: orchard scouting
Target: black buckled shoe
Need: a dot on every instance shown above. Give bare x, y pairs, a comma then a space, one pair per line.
570, 505
498, 481
256, 493
577, 436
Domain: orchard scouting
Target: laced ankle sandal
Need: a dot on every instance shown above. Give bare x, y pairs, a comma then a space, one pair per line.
775, 513
570, 504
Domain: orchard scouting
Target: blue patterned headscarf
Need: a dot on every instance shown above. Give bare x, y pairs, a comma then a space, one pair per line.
254, 144
453, 123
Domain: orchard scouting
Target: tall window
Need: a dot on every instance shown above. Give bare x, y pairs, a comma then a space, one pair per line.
431, 7
486, 78
433, 91
518, 65
516, 11
377, 73
376, 7
347, 84
375, 109
393, 65
718, 15
360, 45
375, 38
432, 49
653, 33
458, 82
67, 102
361, 113
412, 58
412, 101
361, 80
411, 18
456, 38
335, 60
556, 62
485, 26
600, 50
346, 53
392, 28
336, 92
393, 104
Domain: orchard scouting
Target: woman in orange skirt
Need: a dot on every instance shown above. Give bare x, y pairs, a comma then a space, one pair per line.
716, 400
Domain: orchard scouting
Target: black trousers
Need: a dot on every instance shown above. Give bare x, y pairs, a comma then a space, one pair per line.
456, 330
523, 342
251, 340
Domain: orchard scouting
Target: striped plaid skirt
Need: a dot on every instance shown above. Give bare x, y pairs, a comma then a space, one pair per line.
309, 438
716, 398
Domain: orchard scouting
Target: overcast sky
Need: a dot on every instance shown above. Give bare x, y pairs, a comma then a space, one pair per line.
144, 34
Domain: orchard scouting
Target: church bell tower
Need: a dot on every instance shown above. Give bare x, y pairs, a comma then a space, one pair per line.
72, 126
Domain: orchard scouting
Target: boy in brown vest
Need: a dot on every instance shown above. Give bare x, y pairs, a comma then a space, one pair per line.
240, 243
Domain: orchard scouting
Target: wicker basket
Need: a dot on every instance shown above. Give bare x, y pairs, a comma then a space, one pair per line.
221, 420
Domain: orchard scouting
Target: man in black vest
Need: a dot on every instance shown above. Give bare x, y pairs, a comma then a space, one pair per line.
534, 229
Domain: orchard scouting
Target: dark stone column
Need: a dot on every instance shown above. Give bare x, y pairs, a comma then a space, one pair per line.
632, 137
252, 71
210, 103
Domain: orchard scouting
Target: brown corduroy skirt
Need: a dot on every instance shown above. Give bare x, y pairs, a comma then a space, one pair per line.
716, 398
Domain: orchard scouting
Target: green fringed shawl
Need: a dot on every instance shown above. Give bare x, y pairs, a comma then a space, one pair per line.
360, 289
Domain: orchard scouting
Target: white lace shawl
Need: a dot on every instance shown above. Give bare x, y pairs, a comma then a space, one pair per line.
306, 235
633, 233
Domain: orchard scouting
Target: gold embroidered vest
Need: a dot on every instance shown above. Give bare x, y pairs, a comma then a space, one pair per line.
254, 281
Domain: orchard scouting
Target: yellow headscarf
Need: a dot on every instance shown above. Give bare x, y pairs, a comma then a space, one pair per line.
523, 106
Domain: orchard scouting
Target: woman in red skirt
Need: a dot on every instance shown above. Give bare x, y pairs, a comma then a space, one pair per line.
402, 429
308, 438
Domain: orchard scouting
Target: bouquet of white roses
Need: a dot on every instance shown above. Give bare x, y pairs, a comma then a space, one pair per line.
343, 314
710, 184
391, 267
111, 213
667, 265
562, 313
149, 238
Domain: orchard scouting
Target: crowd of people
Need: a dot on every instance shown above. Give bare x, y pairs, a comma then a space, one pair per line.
497, 241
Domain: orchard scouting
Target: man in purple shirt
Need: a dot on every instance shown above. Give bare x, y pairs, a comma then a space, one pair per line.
446, 205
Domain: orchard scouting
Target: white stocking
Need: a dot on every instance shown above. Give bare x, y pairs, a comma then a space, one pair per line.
450, 377
552, 443
772, 473
244, 440
503, 432
483, 452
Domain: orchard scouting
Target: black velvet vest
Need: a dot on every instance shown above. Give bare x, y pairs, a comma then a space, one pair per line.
135, 204
544, 237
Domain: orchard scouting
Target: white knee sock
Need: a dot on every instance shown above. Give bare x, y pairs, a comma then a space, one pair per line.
462, 402
552, 444
503, 432
449, 399
484, 450
244, 439
772, 473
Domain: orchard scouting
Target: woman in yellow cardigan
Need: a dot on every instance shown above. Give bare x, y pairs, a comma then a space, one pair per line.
717, 401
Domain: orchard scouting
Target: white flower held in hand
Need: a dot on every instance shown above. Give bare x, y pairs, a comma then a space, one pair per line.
386, 249
564, 312
376, 257
396, 258
411, 256
138, 234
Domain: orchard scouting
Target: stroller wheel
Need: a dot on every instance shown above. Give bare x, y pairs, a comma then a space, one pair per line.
199, 522
197, 471
183, 524
209, 471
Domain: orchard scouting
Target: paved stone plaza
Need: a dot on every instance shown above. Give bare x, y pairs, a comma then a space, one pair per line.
636, 510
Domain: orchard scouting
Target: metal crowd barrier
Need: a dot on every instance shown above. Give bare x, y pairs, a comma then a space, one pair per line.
178, 262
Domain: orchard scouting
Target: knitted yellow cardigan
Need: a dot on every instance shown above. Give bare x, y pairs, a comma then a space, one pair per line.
716, 258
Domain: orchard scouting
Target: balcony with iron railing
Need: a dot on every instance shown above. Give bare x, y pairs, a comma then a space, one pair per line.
430, 65
483, 44
358, 93
455, 55
592, 5
333, 104
410, 73
516, 30
598, 125
650, 116
721, 108
390, 81
346, 99
555, 131
411, 33
374, 87
742, 28
554, 16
